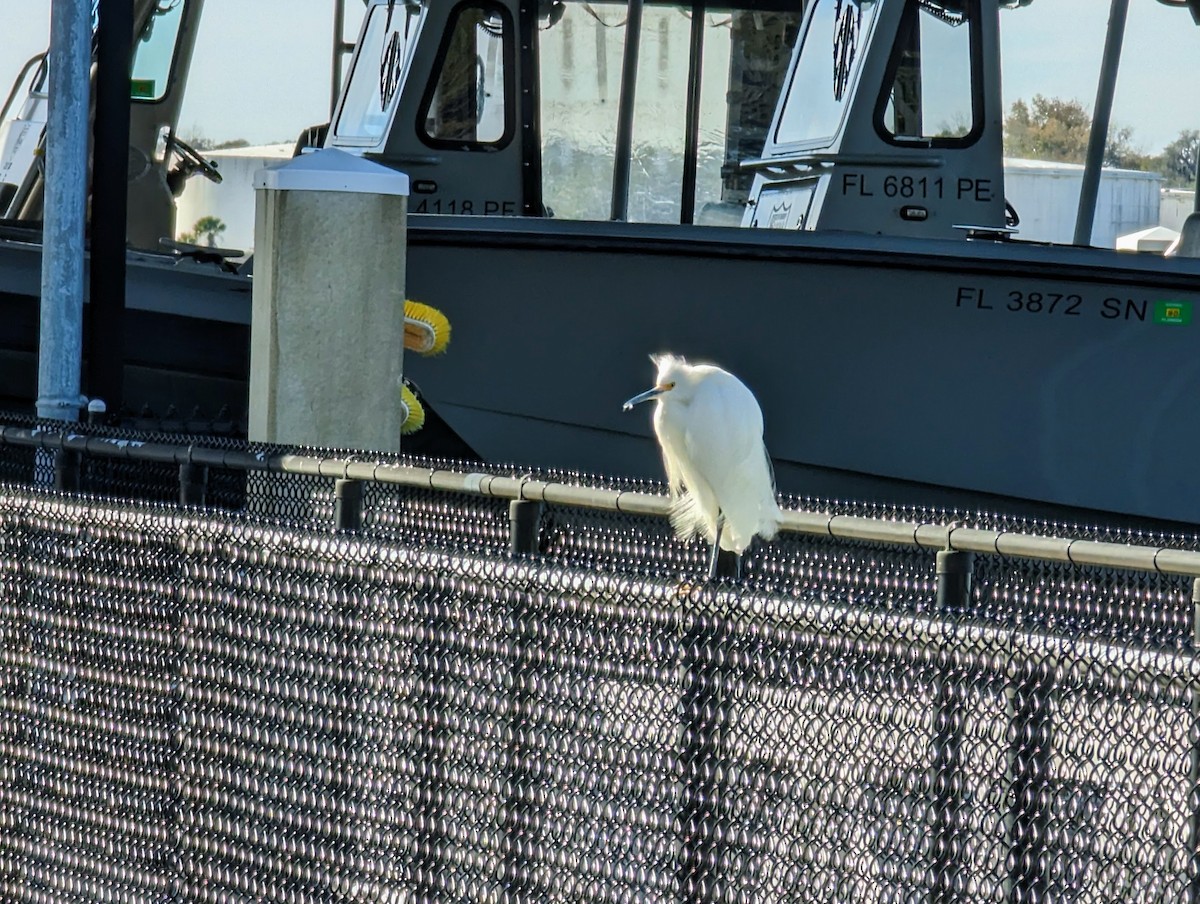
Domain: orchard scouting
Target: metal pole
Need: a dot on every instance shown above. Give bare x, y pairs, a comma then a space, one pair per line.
1030, 738
193, 483
110, 202
1196, 177
953, 594
953, 569
339, 48
1086, 216
529, 110
1193, 836
703, 716
348, 504
61, 339
524, 519
691, 151
624, 142
68, 468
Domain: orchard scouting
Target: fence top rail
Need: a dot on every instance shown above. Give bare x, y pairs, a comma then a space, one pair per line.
932, 536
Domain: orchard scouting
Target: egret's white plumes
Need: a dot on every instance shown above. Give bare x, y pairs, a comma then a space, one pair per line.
710, 429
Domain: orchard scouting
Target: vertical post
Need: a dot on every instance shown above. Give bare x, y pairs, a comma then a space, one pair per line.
67, 468
727, 565
954, 569
1086, 216
61, 339
317, 218
348, 504
193, 483
1196, 177
110, 195
97, 412
624, 141
1030, 738
953, 593
524, 516
703, 715
1193, 835
521, 820
529, 110
339, 48
691, 149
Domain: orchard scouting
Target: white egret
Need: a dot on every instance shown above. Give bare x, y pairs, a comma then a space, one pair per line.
710, 429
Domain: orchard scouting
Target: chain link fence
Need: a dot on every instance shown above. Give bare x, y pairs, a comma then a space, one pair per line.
242, 703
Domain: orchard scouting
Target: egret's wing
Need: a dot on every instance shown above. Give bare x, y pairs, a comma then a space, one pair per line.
687, 520
686, 517
725, 444
723, 428
670, 443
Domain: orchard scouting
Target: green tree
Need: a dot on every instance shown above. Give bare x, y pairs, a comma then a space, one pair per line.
1052, 128
1178, 161
206, 228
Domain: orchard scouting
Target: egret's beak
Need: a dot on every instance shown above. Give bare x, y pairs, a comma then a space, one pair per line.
643, 397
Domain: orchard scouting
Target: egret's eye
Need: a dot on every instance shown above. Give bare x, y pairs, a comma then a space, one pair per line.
667, 386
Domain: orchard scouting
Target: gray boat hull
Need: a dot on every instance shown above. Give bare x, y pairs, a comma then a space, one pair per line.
899, 370
1061, 375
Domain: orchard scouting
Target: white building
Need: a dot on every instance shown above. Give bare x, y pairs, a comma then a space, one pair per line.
1046, 197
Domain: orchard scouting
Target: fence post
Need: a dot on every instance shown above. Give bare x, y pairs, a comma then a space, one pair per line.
953, 593
1193, 835
524, 517
67, 466
704, 714
348, 504
1029, 799
193, 483
954, 569
728, 565
97, 412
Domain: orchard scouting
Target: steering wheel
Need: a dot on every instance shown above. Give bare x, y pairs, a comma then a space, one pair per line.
192, 162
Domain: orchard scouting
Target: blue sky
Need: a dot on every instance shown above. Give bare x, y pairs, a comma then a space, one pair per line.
262, 66
261, 70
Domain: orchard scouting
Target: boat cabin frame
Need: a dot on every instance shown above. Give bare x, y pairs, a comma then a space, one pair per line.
905, 153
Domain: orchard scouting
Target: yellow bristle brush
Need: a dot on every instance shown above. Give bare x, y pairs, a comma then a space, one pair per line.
426, 329
414, 411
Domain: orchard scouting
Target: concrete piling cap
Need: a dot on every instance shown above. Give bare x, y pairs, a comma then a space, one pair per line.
330, 169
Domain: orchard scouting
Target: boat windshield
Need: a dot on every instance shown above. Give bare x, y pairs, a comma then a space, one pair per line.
930, 96
706, 90
374, 82
824, 77
154, 52
467, 105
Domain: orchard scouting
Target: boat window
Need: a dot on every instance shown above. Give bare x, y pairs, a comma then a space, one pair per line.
835, 41
743, 61
929, 95
580, 71
469, 102
375, 74
154, 52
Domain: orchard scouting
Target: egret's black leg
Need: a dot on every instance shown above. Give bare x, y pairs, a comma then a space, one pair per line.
723, 564
716, 551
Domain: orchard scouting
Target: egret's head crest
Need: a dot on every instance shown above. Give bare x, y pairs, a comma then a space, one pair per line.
668, 366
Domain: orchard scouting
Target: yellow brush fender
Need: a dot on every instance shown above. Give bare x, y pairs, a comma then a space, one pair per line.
426, 329
414, 411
